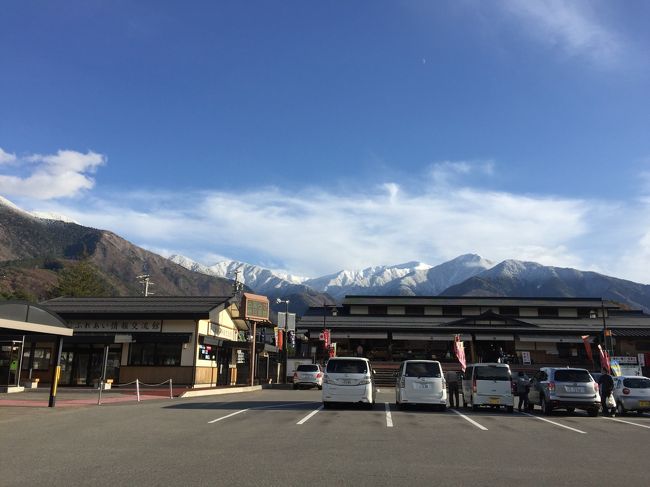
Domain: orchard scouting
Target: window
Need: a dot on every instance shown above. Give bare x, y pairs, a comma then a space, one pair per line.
586, 313
415, 310
155, 353
569, 375
377, 309
347, 367
509, 311
422, 369
637, 383
41, 359
451, 311
548, 312
307, 368
492, 372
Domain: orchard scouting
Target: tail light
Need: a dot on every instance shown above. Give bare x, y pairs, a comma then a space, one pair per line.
364, 381
474, 385
626, 391
513, 387
596, 387
402, 383
295, 375
326, 379
551, 387
319, 375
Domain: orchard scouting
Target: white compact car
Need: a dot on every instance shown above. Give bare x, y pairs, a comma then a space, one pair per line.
420, 382
632, 393
308, 375
348, 380
488, 384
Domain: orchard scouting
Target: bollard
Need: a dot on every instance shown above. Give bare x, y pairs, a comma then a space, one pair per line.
137, 389
99, 398
171, 390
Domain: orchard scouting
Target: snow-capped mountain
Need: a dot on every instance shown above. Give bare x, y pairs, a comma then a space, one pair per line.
434, 280
365, 281
43, 215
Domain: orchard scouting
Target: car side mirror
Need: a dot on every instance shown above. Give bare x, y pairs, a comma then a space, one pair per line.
374, 372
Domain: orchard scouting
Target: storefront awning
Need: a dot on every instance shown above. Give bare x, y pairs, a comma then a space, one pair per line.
430, 336
381, 335
552, 338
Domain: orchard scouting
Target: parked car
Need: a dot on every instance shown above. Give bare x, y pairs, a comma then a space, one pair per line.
632, 393
349, 380
488, 384
420, 382
564, 388
308, 375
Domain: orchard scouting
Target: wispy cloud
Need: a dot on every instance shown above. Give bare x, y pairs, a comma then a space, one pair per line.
49, 176
574, 27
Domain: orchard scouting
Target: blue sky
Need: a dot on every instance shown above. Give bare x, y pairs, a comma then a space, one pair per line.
313, 136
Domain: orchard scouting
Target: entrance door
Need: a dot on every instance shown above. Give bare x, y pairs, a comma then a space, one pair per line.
67, 360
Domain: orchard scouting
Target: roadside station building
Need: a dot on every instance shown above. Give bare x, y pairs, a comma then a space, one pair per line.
195, 341
529, 332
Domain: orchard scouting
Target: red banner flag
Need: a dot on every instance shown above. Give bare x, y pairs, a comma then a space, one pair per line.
604, 359
280, 337
459, 350
590, 355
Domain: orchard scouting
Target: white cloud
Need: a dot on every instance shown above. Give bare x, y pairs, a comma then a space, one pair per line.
574, 27
44, 177
6, 158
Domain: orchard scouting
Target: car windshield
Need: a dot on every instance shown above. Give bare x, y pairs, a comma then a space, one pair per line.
492, 372
307, 368
572, 376
347, 367
637, 383
422, 369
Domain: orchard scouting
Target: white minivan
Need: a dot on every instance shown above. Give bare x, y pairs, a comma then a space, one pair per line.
348, 380
488, 384
420, 382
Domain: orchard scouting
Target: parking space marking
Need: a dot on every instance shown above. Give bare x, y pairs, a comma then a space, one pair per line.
556, 424
286, 404
389, 418
467, 418
228, 415
628, 422
309, 416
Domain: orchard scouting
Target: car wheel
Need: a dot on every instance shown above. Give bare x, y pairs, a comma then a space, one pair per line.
443, 408
570, 410
593, 412
320, 388
510, 409
327, 405
620, 409
295, 386
474, 406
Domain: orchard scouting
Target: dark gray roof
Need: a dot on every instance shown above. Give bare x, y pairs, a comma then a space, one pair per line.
477, 301
167, 306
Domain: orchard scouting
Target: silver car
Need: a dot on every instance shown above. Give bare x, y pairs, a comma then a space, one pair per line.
632, 393
308, 375
564, 388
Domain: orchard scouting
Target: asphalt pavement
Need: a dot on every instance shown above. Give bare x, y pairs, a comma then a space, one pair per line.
284, 437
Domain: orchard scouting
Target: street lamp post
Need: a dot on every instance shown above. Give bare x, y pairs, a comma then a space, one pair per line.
607, 338
285, 343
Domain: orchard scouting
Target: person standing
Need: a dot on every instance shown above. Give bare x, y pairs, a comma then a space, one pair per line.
606, 383
451, 376
523, 387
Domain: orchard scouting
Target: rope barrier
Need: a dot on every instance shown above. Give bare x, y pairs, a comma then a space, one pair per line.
137, 388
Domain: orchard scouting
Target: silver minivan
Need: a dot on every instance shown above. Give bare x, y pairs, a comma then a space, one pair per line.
420, 382
349, 380
488, 384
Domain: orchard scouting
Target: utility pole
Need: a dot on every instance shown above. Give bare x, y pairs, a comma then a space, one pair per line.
146, 282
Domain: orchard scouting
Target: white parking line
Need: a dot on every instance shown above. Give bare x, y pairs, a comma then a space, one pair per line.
286, 404
479, 426
556, 424
308, 417
628, 422
228, 416
389, 418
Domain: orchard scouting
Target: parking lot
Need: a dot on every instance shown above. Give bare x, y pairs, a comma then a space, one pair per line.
285, 437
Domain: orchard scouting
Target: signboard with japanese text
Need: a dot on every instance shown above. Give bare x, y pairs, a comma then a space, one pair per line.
119, 326
256, 307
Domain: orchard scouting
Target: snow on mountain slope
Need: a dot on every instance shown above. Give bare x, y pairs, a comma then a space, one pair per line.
43, 215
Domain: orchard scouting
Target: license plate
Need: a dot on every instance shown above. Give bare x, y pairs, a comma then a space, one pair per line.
421, 386
644, 404
575, 389
495, 400
346, 382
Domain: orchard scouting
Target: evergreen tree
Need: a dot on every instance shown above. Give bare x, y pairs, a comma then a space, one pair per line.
82, 280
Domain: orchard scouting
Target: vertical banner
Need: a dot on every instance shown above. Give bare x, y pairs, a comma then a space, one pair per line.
590, 355
459, 349
604, 359
280, 339
326, 338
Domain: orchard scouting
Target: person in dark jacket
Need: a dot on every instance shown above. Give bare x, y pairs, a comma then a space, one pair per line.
523, 387
606, 383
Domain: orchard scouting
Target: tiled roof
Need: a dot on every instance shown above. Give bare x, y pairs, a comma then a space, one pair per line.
137, 305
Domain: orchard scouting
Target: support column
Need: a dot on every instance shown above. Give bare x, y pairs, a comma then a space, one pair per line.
56, 372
